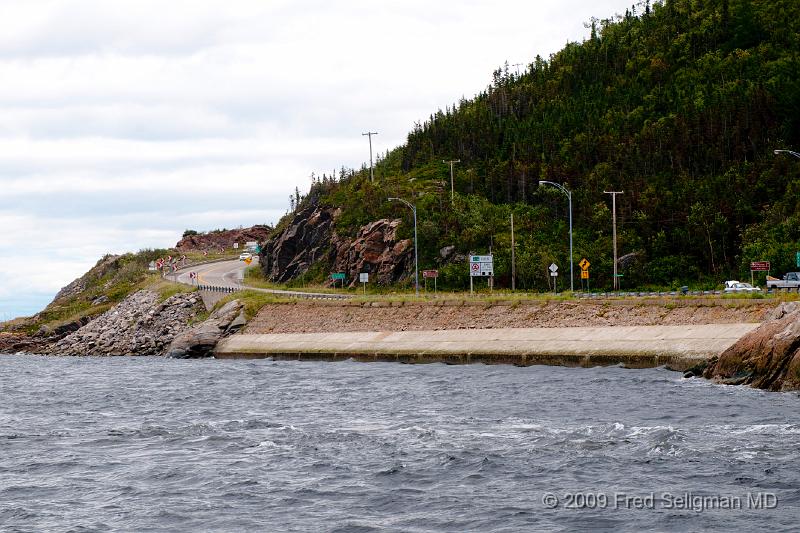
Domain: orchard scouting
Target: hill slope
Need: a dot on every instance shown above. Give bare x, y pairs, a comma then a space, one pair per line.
680, 105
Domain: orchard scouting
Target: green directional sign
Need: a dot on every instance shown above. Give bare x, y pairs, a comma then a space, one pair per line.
337, 276
797, 258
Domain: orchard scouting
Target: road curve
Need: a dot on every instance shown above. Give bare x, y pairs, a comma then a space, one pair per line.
229, 274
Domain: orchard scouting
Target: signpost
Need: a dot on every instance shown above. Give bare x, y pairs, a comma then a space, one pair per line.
363, 277
584, 264
481, 266
235, 245
760, 266
430, 274
553, 268
336, 276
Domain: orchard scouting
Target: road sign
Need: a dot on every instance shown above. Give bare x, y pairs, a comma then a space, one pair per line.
553, 268
481, 265
337, 276
759, 266
797, 258
430, 273
363, 277
584, 274
584, 264
248, 260
554, 273
235, 245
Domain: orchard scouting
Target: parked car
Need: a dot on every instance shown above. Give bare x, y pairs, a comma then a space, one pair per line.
738, 286
245, 255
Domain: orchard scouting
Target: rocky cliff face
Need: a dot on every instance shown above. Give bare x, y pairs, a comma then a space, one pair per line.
139, 325
375, 250
767, 358
216, 240
311, 238
305, 241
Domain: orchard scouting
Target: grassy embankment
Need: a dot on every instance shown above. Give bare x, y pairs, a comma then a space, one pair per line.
255, 300
107, 283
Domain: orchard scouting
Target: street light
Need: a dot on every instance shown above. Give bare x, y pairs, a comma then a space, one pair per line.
569, 197
776, 152
416, 256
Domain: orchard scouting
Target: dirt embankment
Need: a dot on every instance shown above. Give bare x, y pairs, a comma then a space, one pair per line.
310, 317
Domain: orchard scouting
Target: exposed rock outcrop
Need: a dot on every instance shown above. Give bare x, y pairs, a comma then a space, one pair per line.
310, 238
139, 325
215, 240
306, 240
376, 250
767, 358
200, 340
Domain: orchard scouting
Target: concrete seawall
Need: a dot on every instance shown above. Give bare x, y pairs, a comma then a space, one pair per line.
679, 347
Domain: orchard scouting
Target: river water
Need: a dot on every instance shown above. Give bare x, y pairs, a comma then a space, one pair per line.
149, 444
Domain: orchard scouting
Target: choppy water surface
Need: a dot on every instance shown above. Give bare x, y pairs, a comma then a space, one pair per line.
147, 444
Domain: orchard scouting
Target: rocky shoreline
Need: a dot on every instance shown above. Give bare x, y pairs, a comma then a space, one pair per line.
140, 325
767, 358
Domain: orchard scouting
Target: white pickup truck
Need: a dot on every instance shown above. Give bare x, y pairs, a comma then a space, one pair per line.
790, 281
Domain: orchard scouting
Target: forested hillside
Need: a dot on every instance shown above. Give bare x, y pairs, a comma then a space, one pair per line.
679, 104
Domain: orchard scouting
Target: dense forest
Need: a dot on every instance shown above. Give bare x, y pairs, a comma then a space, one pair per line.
680, 104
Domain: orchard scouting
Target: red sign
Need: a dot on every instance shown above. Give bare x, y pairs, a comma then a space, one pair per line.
759, 266
430, 273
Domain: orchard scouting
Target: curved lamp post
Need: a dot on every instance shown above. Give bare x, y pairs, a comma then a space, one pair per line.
416, 257
569, 197
790, 152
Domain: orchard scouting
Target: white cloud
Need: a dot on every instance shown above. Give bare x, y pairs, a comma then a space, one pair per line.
125, 123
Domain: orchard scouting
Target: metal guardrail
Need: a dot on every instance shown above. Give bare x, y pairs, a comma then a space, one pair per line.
291, 294
217, 288
623, 294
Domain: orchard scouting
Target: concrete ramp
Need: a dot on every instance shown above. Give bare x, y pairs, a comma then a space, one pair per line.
678, 347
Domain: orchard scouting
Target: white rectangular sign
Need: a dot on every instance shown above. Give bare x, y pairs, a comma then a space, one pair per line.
363, 277
481, 265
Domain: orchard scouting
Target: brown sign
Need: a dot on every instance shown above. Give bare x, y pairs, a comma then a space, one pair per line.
430, 273
759, 266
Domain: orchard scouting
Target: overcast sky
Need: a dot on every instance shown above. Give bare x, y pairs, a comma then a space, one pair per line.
122, 123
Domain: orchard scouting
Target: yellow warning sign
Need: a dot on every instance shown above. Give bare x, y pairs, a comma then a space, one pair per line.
584, 264
584, 274
248, 260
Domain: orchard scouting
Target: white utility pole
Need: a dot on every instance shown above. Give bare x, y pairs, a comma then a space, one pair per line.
370, 134
614, 226
454, 161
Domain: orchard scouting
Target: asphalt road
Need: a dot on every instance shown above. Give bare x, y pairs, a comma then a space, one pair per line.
229, 274
222, 274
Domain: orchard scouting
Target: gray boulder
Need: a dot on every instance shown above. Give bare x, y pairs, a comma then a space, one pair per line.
200, 340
